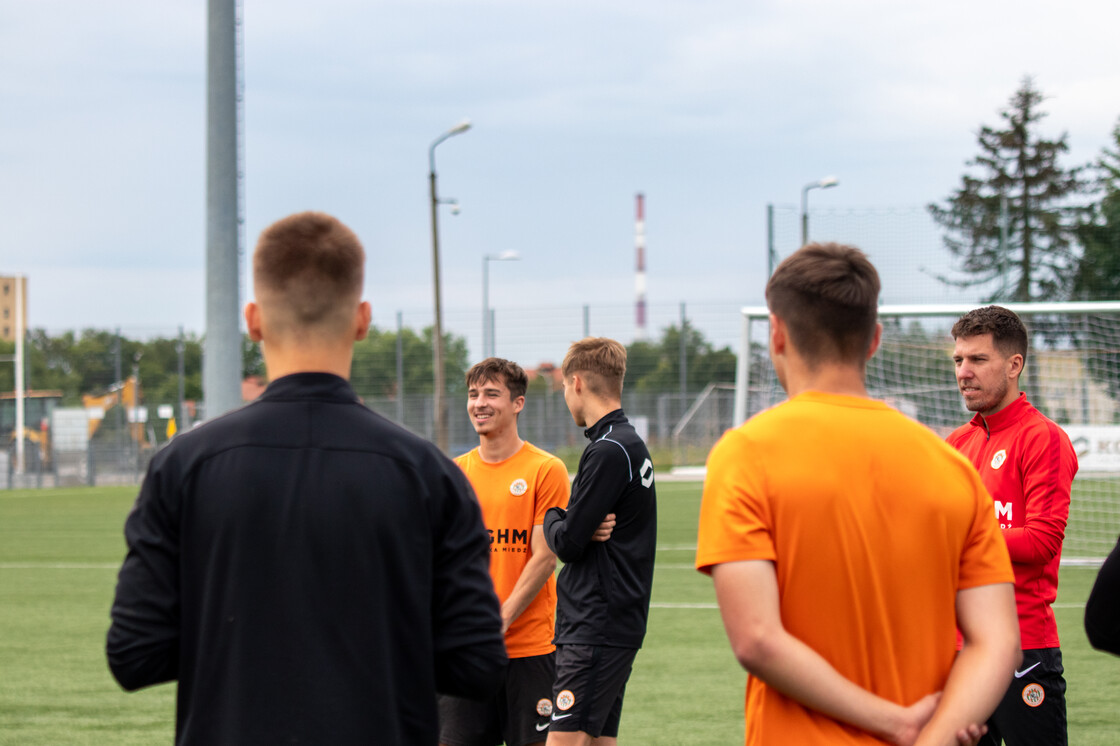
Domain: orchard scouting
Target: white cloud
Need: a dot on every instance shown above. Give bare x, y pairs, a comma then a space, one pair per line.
713, 108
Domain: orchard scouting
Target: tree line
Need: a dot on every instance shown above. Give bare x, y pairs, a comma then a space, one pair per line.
91, 361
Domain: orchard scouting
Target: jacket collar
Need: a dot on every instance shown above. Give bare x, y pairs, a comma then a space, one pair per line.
1005, 417
605, 423
325, 386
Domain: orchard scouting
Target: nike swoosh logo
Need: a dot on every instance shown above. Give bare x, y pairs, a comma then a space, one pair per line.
1021, 674
542, 727
561, 717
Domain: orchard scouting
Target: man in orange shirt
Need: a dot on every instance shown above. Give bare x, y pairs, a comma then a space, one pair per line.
844, 541
516, 483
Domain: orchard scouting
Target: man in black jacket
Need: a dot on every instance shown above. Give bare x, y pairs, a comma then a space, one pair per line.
604, 589
1102, 610
306, 570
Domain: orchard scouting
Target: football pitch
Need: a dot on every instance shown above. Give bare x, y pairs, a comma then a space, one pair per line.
60, 550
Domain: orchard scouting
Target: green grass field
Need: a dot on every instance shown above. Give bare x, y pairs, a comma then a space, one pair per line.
59, 551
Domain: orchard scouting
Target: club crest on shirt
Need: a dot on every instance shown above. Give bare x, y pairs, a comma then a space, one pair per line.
999, 458
1033, 695
544, 707
518, 487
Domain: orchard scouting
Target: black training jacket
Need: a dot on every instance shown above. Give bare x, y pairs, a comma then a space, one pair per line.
604, 588
310, 573
1102, 610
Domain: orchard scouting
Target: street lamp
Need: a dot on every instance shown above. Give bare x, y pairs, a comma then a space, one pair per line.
437, 326
825, 183
487, 317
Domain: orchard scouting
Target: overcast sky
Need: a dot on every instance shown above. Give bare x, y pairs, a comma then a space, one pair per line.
712, 108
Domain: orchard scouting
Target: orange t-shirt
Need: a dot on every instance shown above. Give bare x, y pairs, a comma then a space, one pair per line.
514, 495
873, 524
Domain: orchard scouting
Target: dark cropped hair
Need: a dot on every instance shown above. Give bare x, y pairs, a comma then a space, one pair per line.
1009, 334
501, 370
828, 296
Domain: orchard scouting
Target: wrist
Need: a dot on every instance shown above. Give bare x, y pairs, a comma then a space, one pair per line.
896, 725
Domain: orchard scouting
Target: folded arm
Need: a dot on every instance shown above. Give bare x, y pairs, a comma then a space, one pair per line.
603, 476
470, 653
143, 641
982, 671
749, 603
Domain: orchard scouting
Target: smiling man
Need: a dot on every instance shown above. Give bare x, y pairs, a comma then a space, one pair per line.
516, 483
1027, 464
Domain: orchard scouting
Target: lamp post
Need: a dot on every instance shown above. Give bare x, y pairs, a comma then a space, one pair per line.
825, 183
437, 325
487, 325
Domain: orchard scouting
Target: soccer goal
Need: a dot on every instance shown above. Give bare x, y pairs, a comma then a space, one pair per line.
1072, 375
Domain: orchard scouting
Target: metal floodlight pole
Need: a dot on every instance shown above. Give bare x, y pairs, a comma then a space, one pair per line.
825, 183
221, 359
21, 394
437, 324
488, 345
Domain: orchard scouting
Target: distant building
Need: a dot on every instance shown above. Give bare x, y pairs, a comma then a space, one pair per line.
549, 373
1066, 391
8, 293
252, 387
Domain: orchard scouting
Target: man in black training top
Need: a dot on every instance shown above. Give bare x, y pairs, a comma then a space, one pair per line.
603, 591
308, 571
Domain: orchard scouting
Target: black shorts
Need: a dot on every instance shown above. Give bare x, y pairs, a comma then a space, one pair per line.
516, 715
1033, 710
590, 683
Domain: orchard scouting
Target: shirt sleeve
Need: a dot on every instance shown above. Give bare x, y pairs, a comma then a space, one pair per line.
1047, 471
466, 618
1102, 610
143, 641
984, 558
553, 489
603, 475
735, 516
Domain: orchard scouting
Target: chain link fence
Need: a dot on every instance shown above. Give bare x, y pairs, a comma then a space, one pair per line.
679, 388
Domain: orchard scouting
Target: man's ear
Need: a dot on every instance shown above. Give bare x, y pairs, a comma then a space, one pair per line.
253, 320
518, 404
875, 340
1015, 367
779, 336
363, 318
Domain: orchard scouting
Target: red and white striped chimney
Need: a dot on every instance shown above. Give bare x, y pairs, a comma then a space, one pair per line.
640, 277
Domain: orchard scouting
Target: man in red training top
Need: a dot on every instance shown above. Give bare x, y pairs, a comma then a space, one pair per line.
1027, 464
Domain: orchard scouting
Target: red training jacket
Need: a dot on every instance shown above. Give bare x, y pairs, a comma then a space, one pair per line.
1027, 463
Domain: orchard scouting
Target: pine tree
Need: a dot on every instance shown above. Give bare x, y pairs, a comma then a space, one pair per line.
1011, 225
1098, 274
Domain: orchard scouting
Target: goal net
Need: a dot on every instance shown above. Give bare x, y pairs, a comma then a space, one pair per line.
1072, 375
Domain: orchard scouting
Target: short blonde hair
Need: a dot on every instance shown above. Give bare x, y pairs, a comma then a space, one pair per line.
603, 363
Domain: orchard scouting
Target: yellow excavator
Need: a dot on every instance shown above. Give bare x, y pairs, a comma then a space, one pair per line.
123, 393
